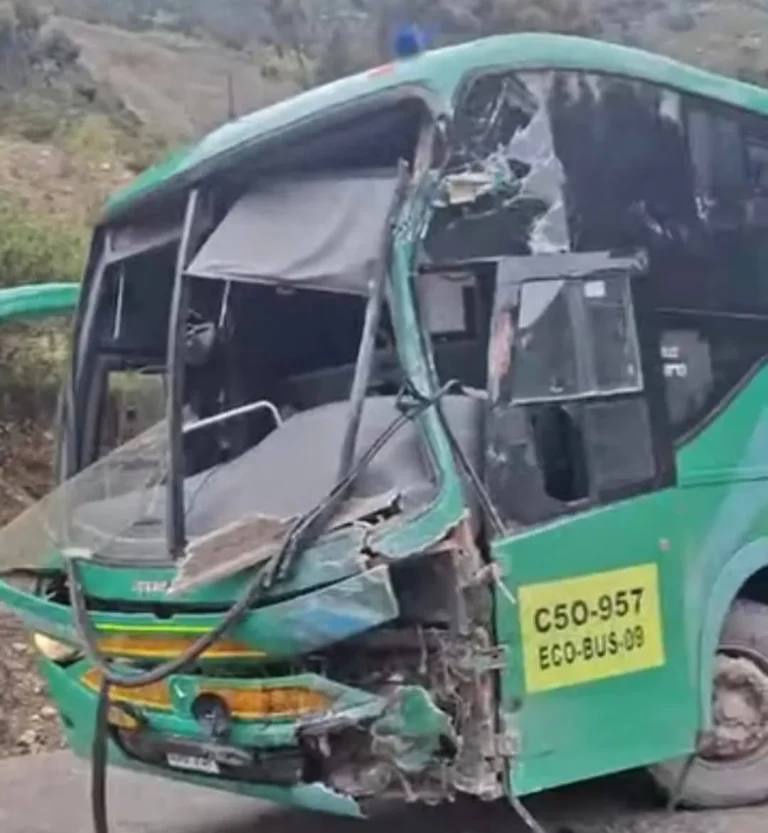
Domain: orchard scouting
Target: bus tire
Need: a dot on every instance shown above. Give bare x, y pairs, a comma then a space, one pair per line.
731, 767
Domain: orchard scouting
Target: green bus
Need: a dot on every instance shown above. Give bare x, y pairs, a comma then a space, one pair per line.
441, 464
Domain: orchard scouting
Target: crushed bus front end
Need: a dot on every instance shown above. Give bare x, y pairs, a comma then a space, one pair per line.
251, 426
365, 674
395, 447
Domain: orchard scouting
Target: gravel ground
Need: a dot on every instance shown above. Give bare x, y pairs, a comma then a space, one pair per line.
140, 805
28, 721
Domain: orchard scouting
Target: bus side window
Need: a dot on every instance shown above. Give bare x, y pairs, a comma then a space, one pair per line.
559, 443
133, 401
619, 444
565, 357
688, 375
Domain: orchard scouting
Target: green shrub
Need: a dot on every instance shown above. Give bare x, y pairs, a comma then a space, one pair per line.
140, 151
35, 248
91, 139
34, 121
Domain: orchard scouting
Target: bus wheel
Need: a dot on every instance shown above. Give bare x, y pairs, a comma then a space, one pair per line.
731, 767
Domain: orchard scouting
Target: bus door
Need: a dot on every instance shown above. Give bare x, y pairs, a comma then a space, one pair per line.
581, 472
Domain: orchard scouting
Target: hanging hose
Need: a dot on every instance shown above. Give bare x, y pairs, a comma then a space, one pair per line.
100, 762
411, 404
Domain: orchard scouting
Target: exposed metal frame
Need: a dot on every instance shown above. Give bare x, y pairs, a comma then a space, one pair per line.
364, 364
175, 526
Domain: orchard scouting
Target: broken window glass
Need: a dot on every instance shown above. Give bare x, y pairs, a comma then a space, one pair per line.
610, 324
545, 349
575, 339
134, 401
455, 310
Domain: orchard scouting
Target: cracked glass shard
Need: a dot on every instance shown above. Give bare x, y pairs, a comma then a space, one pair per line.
504, 173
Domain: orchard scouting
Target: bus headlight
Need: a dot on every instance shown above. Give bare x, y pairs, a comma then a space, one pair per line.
55, 650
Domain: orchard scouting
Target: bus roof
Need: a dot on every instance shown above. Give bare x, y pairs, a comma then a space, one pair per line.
437, 73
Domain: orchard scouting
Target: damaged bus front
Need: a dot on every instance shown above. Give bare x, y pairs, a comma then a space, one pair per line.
438, 471
277, 429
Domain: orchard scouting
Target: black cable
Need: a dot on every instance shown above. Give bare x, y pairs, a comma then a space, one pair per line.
411, 403
99, 762
528, 819
300, 534
475, 481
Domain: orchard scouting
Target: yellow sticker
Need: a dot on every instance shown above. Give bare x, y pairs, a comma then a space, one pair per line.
591, 628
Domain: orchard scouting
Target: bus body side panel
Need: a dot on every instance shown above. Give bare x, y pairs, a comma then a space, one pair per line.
723, 474
599, 677
612, 706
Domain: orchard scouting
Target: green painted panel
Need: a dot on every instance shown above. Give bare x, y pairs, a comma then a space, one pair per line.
601, 723
261, 734
38, 300
333, 558
284, 629
724, 509
713, 523
78, 706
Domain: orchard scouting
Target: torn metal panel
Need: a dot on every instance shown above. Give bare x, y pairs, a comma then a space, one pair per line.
401, 537
286, 629
479, 765
366, 509
335, 613
454, 579
412, 730
371, 759
252, 541
229, 550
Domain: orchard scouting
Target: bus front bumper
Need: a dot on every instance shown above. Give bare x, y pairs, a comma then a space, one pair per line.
173, 746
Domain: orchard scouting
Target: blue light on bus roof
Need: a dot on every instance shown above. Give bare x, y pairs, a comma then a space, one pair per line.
409, 40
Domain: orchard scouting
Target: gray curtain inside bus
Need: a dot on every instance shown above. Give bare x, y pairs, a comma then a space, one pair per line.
316, 232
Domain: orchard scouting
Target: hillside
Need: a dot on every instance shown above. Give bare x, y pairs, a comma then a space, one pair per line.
169, 61
175, 84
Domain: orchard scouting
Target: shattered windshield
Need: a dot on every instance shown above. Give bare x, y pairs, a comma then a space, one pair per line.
275, 310
116, 504
255, 404
503, 185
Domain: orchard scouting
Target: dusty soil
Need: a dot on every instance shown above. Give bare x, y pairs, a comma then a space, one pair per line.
28, 721
177, 85
62, 182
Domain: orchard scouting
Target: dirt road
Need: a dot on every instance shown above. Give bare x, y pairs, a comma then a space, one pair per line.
47, 793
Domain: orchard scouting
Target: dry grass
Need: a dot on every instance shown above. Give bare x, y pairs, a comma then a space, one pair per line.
176, 85
28, 721
60, 180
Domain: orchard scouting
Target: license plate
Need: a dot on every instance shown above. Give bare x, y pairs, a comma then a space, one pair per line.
192, 763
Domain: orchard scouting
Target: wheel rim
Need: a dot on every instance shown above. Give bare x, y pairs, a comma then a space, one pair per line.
739, 709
